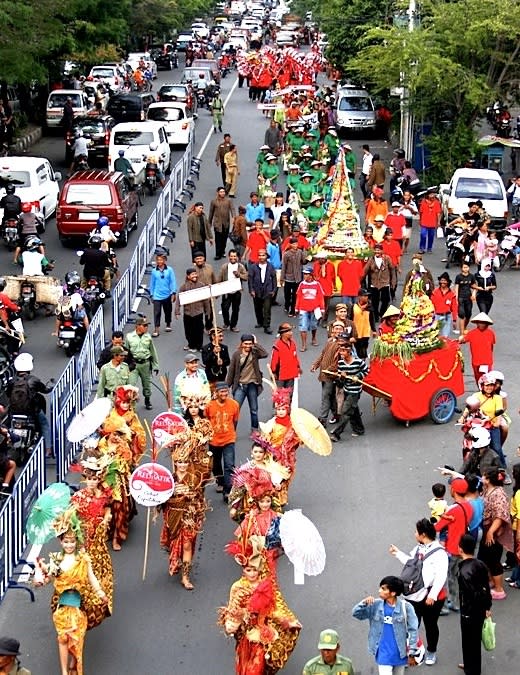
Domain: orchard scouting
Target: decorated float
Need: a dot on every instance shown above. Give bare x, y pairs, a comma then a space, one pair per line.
413, 369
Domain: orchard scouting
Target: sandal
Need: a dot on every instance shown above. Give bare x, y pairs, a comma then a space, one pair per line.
155, 334
116, 545
314, 343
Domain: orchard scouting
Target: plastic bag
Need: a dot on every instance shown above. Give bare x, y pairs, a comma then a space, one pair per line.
440, 233
488, 634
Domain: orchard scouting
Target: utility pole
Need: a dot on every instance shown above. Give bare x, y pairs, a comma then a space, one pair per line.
407, 121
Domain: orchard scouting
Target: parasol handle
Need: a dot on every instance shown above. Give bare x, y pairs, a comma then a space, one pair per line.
271, 375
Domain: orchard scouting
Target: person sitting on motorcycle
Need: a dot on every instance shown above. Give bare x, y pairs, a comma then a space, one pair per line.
29, 224
109, 238
10, 203
123, 165
34, 403
8, 312
33, 260
152, 158
95, 263
71, 308
201, 85
80, 151
397, 166
138, 77
411, 179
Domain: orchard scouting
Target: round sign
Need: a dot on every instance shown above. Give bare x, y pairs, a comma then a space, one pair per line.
166, 427
151, 484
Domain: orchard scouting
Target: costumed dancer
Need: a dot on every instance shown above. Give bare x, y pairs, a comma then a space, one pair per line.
201, 431
72, 575
184, 513
264, 628
123, 438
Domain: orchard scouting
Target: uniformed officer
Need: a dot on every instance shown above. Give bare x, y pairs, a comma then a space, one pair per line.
139, 342
113, 374
329, 662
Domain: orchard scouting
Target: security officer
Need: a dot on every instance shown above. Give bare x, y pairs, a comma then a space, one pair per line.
330, 661
113, 374
141, 346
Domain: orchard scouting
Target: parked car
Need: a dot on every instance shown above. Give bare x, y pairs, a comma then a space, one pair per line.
130, 107
469, 185
95, 128
135, 140
111, 75
94, 193
208, 63
355, 110
285, 39
35, 181
178, 120
56, 102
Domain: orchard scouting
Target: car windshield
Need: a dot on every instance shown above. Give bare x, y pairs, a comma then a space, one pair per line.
193, 74
58, 100
171, 90
478, 188
91, 126
355, 103
102, 72
165, 114
18, 178
133, 137
88, 193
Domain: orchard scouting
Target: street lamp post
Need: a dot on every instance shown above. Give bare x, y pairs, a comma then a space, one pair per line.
407, 121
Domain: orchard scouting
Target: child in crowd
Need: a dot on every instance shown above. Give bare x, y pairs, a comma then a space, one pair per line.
437, 504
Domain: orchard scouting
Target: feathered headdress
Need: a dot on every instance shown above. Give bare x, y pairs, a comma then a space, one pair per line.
126, 393
282, 398
256, 481
116, 423
262, 442
68, 522
247, 550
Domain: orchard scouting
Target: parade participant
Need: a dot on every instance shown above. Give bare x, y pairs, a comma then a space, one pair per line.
184, 512
445, 304
232, 269
114, 373
350, 273
139, 343
381, 277
199, 230
350, 163
291, 276
232, 170
273, 138
223, 413
464, 282
389, 319
430, 212
269, 171
428, 600
366, 163
310, 304
481, 340
262, 284
329, 660
315, 212
9, 664
367, 236
293, 179
200, 429
116, 340
256, 241
326, 363
475, 604
71, 572
408, 209
342, 314
163, 291
325, 274
260, 158
346, 368
305, 190
393, 634
277, 208
363, 319
190, 381
376, 176
222, 149
238, 234
392, 248
257, 616
244, 375
418, 269
221, 214
274, 256
215, 357
378, 228
285, 225
193, 312
376, 206
331, 142
285, 364
303, 243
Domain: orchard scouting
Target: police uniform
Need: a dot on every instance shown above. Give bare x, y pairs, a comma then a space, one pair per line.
144, 353
111, 377
317, 666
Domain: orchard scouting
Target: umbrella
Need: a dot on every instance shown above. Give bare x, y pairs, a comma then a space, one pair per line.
310, 431
50, 504
89, 419
302, 543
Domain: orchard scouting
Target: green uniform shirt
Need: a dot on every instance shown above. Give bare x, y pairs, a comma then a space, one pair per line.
293, 180
314, 214
295, 142
110, 378
332, 143
142, 348
314, 145
269, 171
316, 666
305, 191
260, 158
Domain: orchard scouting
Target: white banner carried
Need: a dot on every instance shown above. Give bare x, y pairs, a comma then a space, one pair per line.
207, 292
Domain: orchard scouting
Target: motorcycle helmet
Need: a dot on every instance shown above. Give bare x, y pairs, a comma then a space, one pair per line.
153, 147
33, 243
102, 222
480, 436
26, 207
10, 189
72, 280
23, 363
95, 241
487, 378
3, 283
498, 375
121, 153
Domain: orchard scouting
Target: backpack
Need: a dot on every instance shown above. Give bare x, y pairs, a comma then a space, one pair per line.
21, 398
411, 575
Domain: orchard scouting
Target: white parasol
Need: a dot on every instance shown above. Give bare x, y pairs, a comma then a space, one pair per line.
302, 544
89, 419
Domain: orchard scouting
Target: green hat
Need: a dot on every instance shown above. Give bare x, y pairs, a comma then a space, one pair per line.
329, 639
116, 350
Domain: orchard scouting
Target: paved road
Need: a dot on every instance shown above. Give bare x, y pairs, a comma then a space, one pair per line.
366, 495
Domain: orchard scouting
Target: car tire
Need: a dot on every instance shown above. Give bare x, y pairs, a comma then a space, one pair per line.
123, 237
135, 220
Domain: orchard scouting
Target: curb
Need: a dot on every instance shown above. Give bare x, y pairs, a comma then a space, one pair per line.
25, 142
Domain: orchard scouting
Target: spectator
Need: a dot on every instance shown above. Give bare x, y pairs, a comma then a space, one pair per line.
291, 275
215, 357
221, 214
193, 312
9, 664
381, 276
191, 380
430, 213
255, 210
163, 290
232, 269
244, 375
223, 413
262, 287
285, 364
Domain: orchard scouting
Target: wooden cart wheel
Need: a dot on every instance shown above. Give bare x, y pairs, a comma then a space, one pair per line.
442, 406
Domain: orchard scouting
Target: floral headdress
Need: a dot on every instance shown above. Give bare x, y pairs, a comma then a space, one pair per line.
126, 393
68, 522
247, 550
282, 398
256, 481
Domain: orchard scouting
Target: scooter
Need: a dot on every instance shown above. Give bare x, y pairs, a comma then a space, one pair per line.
455, 240
71, 335
150, 177
506, 248
202, 98
94, 294
27, 301
174, 57
10, 233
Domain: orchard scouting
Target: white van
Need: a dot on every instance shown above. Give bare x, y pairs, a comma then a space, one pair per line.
35, 181
355, 110
135, 139
57, 100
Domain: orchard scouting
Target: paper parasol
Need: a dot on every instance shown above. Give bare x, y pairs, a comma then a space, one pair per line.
50, 504
302, 543
310, 431
89, 419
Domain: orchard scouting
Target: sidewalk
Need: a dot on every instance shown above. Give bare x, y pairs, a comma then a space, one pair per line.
32, 134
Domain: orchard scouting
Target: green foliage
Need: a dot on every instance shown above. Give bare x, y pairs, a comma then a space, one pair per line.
449, 149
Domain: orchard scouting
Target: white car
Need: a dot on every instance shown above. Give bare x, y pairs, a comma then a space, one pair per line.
135, 138
134, 59
199, 29
178, 120
56, 101
109, 74
35, 181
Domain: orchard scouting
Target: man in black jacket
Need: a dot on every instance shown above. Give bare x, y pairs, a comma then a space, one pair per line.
95, 264
475, 604
262, 287
215, 357
106, 354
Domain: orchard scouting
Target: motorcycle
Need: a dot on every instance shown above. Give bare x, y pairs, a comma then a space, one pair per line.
27, 301
455, 243
10, 233
503, 128
202, 98
71, 335
94, 294
174, 57
150, 177
25, 433
7, 372
506, 248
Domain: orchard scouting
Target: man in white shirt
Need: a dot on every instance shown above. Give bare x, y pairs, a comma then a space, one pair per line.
228, 271
365, 169
514, 191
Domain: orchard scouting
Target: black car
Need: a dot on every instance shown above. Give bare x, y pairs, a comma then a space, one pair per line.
130, 107
164, 56
95, 128
176, 92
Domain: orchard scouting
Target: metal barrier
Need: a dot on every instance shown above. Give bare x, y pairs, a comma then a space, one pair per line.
86, 369
66, 402
13, 518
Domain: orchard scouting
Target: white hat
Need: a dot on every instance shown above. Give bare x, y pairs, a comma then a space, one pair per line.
391, 311
321, 255
481, 437
396, 203
23, 363
316, 198
264, 147
346, 146
481, 318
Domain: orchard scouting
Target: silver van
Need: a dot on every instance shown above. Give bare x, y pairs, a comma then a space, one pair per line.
355, 110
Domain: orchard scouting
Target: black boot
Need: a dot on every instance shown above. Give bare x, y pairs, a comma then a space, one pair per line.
147, 403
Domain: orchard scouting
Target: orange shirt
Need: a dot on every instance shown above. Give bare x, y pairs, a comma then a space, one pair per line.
350, 274
223, 418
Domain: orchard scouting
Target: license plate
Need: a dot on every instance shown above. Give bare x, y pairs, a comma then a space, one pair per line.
67, 334
88, 215
135, 160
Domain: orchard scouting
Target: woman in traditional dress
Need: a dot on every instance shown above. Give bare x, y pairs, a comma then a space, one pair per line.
257, 615
185, 511
201, 431
73, 577
263, 521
